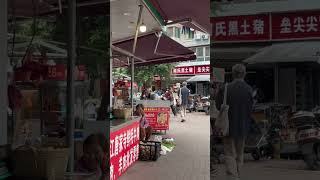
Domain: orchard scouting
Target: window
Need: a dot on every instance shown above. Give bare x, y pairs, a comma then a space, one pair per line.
170, 31
191, 34
207, 53
177, 32
200, 54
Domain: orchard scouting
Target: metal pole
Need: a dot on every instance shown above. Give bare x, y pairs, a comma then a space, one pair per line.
276, 83
70, 81
132, 81
134, 51
3, 71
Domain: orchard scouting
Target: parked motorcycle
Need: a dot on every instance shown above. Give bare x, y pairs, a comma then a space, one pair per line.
308, 136
206, 105
192, 103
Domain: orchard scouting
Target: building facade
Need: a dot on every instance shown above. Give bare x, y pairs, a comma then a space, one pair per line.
198, 42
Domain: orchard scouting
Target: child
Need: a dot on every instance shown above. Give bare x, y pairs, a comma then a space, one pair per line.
145, 128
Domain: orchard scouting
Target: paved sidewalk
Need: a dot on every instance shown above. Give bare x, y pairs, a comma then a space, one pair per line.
188, 161
273, 170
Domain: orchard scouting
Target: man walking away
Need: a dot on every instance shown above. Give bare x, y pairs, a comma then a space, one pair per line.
239, 99
184, 99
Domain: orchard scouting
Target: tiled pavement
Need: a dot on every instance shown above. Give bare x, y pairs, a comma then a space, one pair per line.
188, 161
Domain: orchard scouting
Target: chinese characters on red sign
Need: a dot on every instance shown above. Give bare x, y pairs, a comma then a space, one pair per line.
283, 26
59, 72
239, 28
124, 149
296, 25
182, 70
158, 117
191, 70
205, 69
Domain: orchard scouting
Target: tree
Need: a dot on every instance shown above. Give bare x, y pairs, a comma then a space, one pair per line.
144, 75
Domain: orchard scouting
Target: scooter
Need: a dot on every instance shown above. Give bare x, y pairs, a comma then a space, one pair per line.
308, 136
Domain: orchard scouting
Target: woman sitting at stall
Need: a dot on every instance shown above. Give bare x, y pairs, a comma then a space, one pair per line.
145, 128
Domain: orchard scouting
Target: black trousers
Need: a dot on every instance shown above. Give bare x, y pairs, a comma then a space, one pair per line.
174, 110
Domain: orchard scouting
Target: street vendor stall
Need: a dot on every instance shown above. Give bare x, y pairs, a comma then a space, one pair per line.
152, 47
157, 113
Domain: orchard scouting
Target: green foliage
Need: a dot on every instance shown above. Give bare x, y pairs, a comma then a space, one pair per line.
43, 29
145, 74
92, 32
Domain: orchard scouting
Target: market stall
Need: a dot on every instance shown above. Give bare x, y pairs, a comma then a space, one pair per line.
152, 47
157, 113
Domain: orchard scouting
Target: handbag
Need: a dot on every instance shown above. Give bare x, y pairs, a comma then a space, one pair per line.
222, 121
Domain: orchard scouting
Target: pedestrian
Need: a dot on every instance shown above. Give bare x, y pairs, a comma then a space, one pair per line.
240, 101
171, 98
184, 100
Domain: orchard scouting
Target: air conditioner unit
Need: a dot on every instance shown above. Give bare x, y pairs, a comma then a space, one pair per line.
205, 36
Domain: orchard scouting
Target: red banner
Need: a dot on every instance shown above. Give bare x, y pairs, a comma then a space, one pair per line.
191, 70
241, 28
124, 149
296, 25
205, 69
284, 26
158, 117
183, 70
57, 72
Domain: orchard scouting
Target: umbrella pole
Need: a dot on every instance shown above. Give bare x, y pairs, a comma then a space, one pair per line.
70, 79
134, 51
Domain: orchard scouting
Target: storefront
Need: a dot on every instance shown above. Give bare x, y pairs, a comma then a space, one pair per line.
197, 77
275, 49
282, 49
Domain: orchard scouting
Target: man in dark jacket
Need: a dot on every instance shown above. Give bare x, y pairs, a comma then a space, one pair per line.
184, 99
239, 99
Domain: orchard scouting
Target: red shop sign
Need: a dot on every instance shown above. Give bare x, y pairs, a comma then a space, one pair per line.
124, 149
183, 70
59, 72
205, 69
241, 28
296, 25
158, 117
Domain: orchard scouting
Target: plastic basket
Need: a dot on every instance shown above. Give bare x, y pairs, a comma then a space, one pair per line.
124, 113
53, 162
48, 163
149, 151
